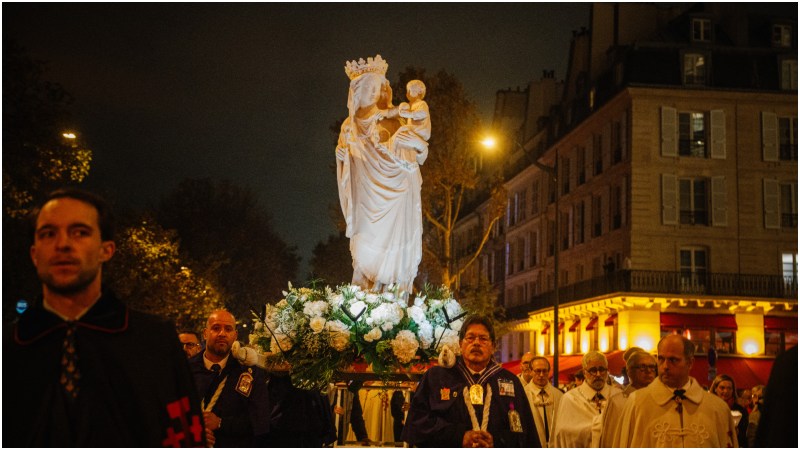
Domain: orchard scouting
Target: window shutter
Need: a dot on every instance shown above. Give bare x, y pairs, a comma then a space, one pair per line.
669, 199
769, 135
719, 197
718, 134
772, 212
669, 131
623, 201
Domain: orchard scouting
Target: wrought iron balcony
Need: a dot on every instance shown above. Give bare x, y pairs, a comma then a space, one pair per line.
670, 283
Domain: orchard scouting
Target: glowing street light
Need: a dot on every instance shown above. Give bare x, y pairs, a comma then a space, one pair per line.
69, 135
489, 142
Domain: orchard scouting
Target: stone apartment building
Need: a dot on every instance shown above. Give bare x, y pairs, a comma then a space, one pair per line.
665, 187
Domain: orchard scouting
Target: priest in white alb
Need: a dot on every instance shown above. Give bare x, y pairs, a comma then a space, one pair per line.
674, 410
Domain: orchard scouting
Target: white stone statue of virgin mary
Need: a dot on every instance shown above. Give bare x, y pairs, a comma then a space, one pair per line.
379, 191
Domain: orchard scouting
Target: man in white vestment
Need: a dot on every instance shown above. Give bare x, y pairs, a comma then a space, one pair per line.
641, 368
543, 397
579, 412
674, 410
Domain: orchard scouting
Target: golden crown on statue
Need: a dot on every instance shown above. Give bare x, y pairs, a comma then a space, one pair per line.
354, 68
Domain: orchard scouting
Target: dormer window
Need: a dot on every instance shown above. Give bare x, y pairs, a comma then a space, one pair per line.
782, 36
701, 30
694, 69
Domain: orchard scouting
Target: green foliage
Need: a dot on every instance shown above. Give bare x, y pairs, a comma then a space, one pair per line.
224, 230
36, 156
149, 274
482, 299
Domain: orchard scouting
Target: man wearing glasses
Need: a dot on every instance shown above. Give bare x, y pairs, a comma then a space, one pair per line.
674, 410
473, 403
642, 369
543, 397
526, 375
580, 409
190, 343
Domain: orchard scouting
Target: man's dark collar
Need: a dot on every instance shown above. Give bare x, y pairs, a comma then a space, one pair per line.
107, 315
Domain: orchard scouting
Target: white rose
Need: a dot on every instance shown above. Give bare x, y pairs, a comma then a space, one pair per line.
425, 334
317, 324
419, 301
315, 309
357, 308
339, 335
373, 335
372, 298
360, 295
417, 314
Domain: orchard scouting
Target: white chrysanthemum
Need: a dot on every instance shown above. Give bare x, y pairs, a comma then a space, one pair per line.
372, 298
315, 309
339, 335
360, 295
405, 346
417, 314
425, 334
456, 326
419, 301
373, 335
388, 296
448, 337
317, 324
357, 308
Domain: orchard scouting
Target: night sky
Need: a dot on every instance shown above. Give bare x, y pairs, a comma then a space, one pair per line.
248, 92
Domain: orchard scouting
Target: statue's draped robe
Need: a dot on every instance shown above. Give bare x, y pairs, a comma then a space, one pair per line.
380, 199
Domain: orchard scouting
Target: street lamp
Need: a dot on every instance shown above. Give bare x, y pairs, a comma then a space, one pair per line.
489, 142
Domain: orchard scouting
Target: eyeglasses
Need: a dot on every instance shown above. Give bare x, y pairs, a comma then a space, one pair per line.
188, 345
526, 363
597, 370
482, 339
646, 367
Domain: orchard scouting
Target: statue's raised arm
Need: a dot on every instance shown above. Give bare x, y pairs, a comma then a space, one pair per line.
377, 168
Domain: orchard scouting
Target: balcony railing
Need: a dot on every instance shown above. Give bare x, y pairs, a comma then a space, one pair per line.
670, 283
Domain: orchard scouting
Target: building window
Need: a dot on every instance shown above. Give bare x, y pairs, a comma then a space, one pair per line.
789, 74
551, 238
781, 36
701, 30
788, 205
534, 251
580, 215
551, 190
581, 165
787, 130
565, 175
693, 201
616, 207
694, 270
724, 342
778, 341
535, 198
616, 142
597, 154
597, 211
694, 69
522, 204
520, 259
692, 134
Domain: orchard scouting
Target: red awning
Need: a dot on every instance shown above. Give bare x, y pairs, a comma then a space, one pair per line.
546, 327
718, 321
591, 324
610, 320
561, 326
746, 372
575, 325
780, 323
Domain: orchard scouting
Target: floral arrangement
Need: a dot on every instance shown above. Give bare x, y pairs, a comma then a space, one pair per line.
319, 332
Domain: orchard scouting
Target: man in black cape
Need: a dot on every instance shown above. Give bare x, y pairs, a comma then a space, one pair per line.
449, 408
81, 369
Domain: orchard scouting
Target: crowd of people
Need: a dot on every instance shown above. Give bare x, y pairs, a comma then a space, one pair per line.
83, 370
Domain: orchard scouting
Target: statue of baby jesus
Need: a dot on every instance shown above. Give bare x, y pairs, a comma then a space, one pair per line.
409, 143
